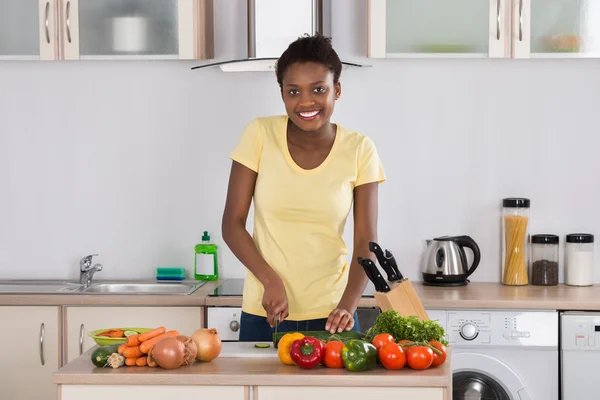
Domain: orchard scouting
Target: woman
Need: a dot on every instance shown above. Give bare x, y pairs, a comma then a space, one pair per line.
304, 173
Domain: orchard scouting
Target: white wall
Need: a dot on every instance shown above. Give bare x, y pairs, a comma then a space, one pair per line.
130, 159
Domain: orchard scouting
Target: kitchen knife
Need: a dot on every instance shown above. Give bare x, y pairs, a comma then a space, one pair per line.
374, 275
387, 262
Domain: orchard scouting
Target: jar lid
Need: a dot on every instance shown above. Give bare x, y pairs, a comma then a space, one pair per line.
580, 238
515, 202
544, 239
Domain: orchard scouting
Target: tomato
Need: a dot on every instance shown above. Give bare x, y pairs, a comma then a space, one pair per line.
402, 342
419, 357
381, 339
333, 355
438, 359
392, 356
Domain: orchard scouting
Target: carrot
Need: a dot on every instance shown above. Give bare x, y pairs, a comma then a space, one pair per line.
142, 337
146, 346
130, 362
142, 361
132, 341
131, 352
121, 348
119, 333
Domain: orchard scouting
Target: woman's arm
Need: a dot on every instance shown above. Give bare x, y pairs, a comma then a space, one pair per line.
365, 231
235, 235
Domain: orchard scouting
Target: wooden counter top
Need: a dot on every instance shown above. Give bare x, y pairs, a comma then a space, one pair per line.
485, 295
248, 371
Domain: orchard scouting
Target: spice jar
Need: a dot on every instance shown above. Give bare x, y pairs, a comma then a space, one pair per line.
579, 260
515, 225
544, 260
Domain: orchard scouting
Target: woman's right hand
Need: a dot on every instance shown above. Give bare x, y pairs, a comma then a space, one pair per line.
275, 302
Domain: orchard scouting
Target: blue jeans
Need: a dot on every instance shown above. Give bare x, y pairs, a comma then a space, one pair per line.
254, 328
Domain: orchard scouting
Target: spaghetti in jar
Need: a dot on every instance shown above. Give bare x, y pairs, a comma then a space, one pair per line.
515, 229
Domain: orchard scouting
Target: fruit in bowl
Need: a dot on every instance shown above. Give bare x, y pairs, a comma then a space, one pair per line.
105, 337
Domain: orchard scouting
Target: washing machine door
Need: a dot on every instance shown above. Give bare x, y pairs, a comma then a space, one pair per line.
477, 376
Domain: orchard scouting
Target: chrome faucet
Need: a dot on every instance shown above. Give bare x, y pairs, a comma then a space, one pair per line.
87, 270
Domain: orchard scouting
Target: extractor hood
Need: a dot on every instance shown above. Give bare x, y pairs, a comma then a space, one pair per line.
272, 26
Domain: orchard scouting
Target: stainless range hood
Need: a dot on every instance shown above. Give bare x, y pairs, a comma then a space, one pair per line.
272, 26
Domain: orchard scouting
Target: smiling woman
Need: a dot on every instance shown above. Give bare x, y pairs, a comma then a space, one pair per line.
304, 174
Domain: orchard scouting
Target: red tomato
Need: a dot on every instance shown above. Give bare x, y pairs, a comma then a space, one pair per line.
419, 357
381, 339
333, 355
438, 359
402, 342
392, 356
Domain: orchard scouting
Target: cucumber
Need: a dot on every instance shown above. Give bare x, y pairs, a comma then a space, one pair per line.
129, 333
101, 354
322, 335
262, 345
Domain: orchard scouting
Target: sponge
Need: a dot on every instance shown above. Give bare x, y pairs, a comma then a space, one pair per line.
170, 274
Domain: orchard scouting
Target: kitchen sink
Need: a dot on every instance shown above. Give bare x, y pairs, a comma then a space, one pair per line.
38, 286
144, 288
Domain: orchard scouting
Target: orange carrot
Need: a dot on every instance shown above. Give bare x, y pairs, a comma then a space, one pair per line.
142, 337
131, 352
121, 348
130, 362
132, 341
142, 361
146, 346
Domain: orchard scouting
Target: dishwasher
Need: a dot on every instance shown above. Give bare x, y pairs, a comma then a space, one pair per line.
580, 349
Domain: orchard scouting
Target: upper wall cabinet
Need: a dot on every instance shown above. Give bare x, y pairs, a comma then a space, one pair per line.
28, 30
106, 29
432, 28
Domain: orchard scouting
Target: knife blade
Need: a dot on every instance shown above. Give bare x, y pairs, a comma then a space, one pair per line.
387, 262
374, 275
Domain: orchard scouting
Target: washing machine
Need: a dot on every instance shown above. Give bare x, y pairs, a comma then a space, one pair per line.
502, 354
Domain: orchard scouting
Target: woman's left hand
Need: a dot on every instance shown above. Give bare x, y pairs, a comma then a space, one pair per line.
339, 320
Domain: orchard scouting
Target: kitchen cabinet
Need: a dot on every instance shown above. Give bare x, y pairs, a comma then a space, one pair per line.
106, 29
437, 28
483, 28
28, 30
79, 321
154, 392
29, 341
349, 393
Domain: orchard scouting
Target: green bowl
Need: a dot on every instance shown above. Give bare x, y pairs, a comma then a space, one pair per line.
105, 341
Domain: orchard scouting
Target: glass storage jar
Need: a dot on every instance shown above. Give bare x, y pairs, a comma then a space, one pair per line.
544, 260
579, 259
515, 227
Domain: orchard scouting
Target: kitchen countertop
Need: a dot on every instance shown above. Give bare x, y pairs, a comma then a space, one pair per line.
242, 371
474, 295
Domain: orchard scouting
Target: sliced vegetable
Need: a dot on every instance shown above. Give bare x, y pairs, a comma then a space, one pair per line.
208, 343
285, 343
307, 352
359, 355
333, 355
262, 345
130, 333
101, 354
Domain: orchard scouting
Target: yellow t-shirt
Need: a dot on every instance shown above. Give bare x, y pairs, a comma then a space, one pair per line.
300, 215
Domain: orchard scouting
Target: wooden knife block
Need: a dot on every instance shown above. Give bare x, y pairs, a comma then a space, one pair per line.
403, 299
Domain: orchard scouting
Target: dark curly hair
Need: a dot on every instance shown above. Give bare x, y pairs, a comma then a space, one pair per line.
307, 48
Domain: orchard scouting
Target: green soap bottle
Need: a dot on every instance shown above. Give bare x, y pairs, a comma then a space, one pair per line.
206, 264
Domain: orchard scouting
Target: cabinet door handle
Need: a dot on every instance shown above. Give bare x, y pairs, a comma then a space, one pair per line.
81, 328
69, 21
47, 17
42, 335
520, 20
498, 19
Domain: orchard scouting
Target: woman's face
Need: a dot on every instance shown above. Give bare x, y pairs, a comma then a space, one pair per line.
309, 94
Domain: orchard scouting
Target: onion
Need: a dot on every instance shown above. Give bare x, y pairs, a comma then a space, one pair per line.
208, 344
172, 352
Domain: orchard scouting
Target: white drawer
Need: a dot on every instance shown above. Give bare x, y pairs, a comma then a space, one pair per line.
226, 320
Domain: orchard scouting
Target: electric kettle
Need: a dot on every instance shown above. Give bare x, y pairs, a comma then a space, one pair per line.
445, 261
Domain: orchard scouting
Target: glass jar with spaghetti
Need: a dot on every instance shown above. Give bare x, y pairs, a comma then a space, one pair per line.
515, 228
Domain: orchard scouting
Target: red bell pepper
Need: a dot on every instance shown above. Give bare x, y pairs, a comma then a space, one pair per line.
307, 352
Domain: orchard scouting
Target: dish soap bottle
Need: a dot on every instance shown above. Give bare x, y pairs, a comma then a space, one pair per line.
206, 265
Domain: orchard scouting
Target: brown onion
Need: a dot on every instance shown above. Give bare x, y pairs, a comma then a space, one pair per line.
190, 346
171, 352
208, 344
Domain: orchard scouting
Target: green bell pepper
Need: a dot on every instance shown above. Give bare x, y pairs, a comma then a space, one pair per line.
359, 355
